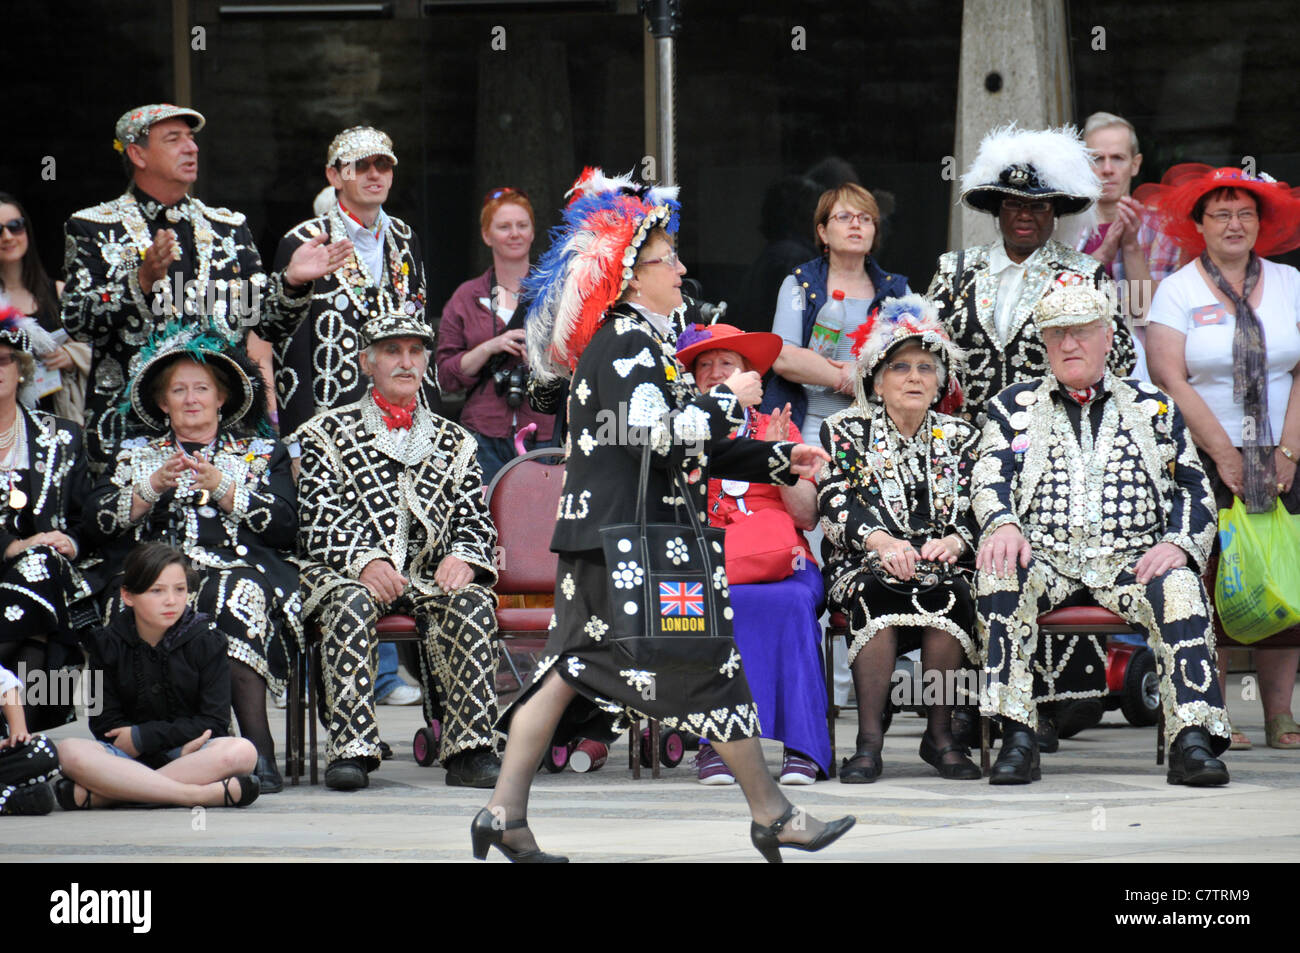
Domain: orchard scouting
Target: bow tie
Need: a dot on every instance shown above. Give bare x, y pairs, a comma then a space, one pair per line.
395, 417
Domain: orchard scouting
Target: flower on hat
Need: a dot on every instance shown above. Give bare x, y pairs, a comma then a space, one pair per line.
117, 145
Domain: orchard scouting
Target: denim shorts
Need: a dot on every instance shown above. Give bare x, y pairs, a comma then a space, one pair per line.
167, 756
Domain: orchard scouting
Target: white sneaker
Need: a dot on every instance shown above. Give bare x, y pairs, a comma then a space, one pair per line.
403, 694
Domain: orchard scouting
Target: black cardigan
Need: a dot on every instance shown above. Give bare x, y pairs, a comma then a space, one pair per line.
172, 692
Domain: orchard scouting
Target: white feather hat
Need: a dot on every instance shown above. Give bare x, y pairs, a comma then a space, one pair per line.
1034, 164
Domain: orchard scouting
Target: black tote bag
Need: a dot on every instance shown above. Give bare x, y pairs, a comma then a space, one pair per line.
668, 589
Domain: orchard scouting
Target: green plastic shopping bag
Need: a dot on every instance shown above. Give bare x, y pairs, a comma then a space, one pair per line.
1257, 591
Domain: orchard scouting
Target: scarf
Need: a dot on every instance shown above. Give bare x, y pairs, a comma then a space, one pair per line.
395, 417
1250, 387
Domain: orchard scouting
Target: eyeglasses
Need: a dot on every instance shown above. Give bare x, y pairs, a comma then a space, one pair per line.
669, 259
1080, 334
7, 359
15, 226
903, 368
1037, 206
848, 218
504, 190
1244, 215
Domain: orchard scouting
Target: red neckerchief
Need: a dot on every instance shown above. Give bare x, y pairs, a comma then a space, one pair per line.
1083, 397
373, 231
395, 417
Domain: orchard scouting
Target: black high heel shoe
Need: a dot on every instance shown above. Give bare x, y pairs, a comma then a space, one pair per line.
486, 831
767, 839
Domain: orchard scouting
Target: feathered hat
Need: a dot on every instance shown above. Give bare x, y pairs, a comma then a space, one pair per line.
1183, 185
1033, 164
589, 264
911, 319
245, 408
24, 334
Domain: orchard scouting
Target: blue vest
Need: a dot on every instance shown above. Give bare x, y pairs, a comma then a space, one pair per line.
811, 275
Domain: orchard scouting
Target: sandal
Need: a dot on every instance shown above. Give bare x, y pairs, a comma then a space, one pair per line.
1277, 727
1240, 742
65, 792
249, 788
863, 768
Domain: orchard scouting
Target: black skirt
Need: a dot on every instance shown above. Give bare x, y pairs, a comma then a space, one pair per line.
716, 704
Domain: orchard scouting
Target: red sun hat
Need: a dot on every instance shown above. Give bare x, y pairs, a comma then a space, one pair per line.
1181, 187
759, 348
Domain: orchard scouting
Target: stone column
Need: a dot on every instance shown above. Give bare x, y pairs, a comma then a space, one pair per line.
1015, 64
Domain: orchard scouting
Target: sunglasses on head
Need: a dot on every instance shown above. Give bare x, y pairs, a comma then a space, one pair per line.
504, 190
15, 226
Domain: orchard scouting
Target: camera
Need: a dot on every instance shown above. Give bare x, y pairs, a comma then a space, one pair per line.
511, 383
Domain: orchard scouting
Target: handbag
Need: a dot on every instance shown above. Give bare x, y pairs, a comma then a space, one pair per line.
927, 577
668, 589
761, 547
1257, 589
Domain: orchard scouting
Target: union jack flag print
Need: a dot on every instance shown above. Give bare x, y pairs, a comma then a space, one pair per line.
681, 598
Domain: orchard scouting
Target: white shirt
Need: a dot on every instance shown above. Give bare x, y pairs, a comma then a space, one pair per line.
1011, 278
368, 243
1184, 302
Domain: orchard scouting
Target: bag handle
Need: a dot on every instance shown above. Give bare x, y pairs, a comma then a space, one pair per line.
678, 483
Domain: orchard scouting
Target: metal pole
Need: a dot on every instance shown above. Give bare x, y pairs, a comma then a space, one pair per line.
665, 22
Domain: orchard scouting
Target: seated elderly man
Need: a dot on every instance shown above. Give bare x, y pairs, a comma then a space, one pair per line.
392, 520
1089, 483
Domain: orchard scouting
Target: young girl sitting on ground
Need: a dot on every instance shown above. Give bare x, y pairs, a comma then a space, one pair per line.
166, 702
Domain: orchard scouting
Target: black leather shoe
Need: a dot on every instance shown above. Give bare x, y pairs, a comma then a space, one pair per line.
31, 800
385, 752
269, 775
65, 790
1079, 715
768, 841
1192, 761
963, 770
863, 768
249, 788
1048, 741
1017, 758
348, 774
478, 768
487, 831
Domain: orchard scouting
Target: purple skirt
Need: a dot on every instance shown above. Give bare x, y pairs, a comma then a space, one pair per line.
779, 639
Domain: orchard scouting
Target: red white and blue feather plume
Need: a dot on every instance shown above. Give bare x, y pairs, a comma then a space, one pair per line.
23, 333
589, 263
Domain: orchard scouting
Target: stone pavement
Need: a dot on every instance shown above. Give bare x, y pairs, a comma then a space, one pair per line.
1102, 798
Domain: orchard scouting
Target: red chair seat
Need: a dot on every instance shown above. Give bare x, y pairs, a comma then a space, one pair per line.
1083, 618
839, 620
525, 619
391, 628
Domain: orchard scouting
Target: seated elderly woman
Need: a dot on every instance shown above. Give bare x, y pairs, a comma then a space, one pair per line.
161, 725
208, 484
895, 507
776, 587
42, 485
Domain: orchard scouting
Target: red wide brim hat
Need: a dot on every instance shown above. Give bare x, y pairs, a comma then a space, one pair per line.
759, 348
1181, 187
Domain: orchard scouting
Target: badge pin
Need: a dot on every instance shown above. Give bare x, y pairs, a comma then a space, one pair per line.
1026, 397
1020, 444
1019, 420
17, 499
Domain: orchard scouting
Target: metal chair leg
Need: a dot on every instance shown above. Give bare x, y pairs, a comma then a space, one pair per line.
310, 675
634, 749
654, 748
984, 744
832, 710
292, 724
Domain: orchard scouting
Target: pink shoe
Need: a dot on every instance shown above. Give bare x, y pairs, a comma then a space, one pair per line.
711, 768
796, 769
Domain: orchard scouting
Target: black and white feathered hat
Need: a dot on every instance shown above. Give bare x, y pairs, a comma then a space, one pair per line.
1031, 164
